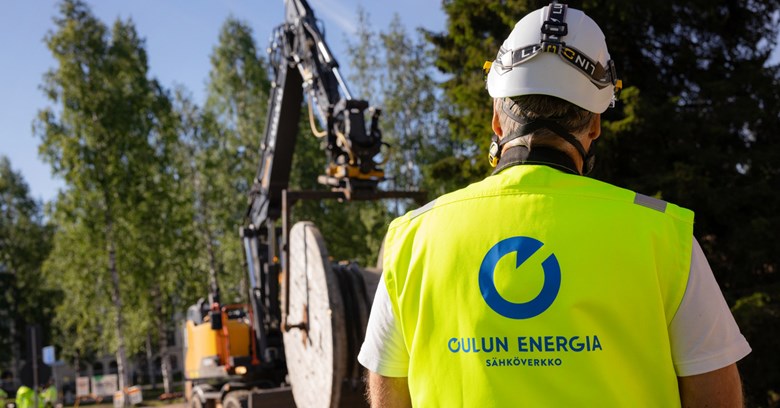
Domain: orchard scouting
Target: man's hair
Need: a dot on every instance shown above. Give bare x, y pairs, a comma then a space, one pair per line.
530, 107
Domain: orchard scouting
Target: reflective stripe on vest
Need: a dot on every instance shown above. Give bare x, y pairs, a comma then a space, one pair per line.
535, 287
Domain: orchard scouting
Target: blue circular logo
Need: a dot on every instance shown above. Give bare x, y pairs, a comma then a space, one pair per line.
524, 247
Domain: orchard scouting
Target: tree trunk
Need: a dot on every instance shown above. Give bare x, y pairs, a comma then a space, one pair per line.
15, 347
121, 355
162, 335
204, 213
165, 365
150, 362
214, 296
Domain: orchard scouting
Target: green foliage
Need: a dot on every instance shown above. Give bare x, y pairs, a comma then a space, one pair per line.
396, 69
475, 30
204, 187
697, 124
756, 314
118, 218
226, 155
364, 58
25, 241
412, 123
238, 87
77, 267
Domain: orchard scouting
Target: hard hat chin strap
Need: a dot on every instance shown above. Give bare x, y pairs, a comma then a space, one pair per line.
527, 127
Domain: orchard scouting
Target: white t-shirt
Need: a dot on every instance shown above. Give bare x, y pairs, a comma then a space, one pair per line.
704, 336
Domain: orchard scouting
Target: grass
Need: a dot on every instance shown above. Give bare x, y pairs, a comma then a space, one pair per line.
158, 403
151, 399
146, 403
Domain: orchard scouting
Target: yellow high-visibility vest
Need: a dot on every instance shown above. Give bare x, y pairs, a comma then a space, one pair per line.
49, 396
25, 397
538, 288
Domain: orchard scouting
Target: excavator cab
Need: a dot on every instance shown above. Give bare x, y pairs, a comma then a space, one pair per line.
220, 341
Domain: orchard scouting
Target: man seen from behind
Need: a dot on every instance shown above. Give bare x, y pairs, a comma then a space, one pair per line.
541, 287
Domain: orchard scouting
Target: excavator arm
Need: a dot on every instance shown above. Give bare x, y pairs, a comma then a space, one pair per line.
302, 66
303, 69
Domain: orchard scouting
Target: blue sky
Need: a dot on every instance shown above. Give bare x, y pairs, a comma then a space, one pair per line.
180, 36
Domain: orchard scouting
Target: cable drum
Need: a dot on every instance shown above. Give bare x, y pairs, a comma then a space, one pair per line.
315, 340
332, 302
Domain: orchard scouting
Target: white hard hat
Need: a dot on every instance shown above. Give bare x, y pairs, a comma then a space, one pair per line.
556, 51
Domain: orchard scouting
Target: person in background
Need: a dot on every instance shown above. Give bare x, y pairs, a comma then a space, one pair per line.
7, 389
25, 397
3, 397
49, 394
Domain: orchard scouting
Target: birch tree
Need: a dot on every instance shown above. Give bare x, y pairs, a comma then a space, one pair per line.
103, 137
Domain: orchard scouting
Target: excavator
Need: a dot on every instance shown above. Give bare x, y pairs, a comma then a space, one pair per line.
296, 341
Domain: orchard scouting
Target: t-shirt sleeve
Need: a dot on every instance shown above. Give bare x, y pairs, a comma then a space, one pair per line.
384, 351
704, 336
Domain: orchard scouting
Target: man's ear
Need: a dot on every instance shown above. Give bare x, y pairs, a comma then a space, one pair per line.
595, 127
496, 123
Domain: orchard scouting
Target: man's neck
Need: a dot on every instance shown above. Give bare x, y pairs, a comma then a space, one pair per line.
563, 148
539, 155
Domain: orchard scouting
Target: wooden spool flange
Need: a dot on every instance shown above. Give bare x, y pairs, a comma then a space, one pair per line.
315, 351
